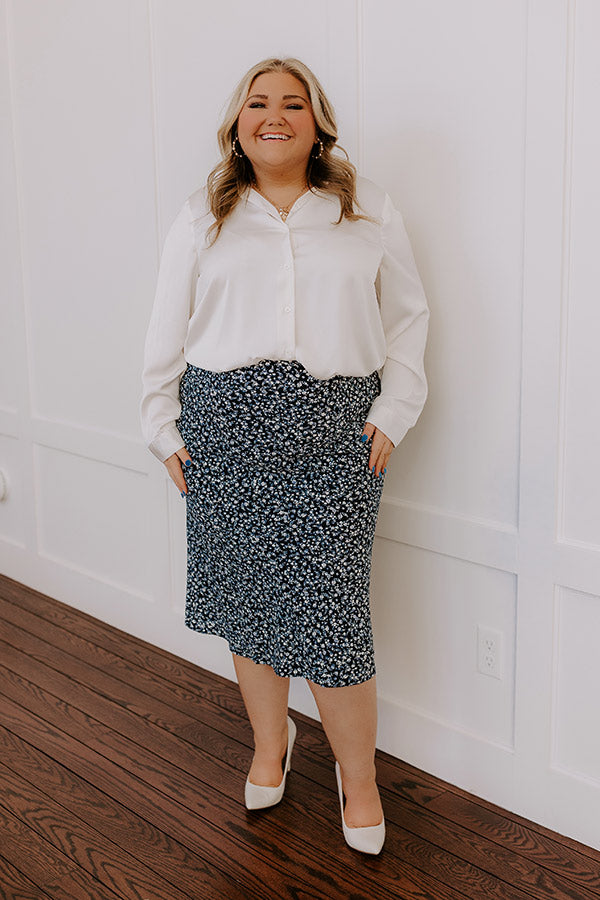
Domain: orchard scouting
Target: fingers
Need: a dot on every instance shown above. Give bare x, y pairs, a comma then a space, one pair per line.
175, 464
369, 429
175, 471
381, 448
184, 456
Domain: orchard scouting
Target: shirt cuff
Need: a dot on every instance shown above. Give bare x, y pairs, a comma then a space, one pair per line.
386, 420
167, 442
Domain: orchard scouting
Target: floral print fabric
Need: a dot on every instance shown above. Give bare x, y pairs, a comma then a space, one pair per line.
281, 514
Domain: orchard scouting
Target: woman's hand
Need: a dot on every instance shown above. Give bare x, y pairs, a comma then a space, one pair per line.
175, 465
381, 447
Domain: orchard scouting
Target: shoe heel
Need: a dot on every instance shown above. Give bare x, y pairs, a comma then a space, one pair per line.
367, 839
259, 796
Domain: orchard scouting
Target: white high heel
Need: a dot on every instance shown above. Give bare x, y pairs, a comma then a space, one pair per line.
257, 796
368, 838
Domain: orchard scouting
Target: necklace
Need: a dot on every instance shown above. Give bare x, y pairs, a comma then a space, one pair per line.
282, 210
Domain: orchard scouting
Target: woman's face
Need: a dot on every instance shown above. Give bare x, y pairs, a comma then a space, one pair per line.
276, 127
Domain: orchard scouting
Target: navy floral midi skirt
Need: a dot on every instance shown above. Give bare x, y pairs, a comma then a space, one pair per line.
281, 514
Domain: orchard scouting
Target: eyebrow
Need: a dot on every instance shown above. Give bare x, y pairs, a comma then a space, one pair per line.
285, 97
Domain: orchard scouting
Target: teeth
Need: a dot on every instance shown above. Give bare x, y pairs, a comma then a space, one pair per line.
275, 137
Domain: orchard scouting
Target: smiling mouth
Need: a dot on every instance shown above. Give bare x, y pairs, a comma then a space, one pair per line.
274, 136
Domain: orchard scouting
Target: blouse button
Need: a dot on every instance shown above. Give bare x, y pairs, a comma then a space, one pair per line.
287, 308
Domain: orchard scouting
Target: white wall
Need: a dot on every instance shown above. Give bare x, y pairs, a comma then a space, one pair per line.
480, 118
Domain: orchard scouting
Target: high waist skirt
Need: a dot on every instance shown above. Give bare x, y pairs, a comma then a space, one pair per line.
281, 514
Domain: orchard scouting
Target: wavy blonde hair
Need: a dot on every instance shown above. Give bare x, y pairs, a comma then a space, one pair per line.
233, 174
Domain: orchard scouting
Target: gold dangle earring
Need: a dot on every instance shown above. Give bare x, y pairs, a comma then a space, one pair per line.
321, 148
234, 150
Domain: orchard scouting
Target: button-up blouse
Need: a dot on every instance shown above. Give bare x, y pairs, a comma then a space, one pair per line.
341, 299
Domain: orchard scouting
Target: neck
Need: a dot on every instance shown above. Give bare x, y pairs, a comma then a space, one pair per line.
280, 183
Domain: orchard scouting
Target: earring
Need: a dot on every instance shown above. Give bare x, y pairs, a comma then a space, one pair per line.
321, 148
233, 148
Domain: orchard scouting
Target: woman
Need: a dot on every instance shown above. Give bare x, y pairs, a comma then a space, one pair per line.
283, 363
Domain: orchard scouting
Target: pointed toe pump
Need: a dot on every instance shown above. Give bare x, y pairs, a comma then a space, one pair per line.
369, 838
259, 796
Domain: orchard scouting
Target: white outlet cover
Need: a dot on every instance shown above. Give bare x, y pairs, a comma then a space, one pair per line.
489, 651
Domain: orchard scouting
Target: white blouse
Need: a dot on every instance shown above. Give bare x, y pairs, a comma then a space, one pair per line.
341, 299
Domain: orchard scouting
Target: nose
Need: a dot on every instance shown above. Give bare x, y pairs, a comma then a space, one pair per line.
275, 119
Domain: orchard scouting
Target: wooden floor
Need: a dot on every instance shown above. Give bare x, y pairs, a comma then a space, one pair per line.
122, 771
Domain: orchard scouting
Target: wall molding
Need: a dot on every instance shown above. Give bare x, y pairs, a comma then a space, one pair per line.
93, 443
480, 541
566, 271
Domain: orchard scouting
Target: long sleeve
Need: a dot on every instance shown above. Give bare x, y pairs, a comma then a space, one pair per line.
164, 360
405, 317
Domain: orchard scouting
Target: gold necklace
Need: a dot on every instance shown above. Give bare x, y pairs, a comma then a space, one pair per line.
283, 210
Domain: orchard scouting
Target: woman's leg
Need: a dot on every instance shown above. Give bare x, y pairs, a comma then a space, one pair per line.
349, 718
265, 696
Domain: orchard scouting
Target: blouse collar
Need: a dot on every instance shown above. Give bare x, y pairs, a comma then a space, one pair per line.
251, 195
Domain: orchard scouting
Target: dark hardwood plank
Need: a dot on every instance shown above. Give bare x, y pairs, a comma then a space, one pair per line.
137, 652
151, 752
521, 871
529, 844
16, 886
22, 846
174, 803
478, 857
559, 840
264, 832
115, 868
152, 847
46, 866
79, 885
275, 834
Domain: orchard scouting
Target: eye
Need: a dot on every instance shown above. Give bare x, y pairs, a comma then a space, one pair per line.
255, 104
295, 106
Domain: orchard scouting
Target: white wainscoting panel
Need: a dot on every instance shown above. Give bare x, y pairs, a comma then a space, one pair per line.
93, 518
85, 156
576, 717
426, 611
12, 507
579, 492
10, 249
448, 144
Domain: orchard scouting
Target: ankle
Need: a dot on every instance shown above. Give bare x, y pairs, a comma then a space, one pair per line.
271, 747
358, 776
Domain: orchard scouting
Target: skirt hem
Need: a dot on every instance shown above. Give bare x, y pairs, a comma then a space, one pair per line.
284, 671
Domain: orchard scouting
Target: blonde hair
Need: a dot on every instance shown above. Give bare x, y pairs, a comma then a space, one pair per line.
234, 174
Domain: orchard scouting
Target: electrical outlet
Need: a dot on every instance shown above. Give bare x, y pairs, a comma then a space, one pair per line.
489, 651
